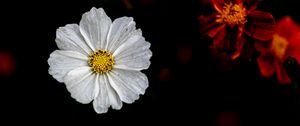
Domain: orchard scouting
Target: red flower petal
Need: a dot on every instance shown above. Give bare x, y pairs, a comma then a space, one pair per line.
208, 25
266, 65
220, 41
293, 49
212, 33
282, 76
286, 27
218, 4
239, 43
260, 25
230, 41
239, 47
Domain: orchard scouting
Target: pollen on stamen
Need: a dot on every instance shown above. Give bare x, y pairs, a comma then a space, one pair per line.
101, 61
232, 14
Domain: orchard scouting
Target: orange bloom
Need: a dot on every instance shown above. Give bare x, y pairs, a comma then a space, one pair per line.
285, 43
231, 20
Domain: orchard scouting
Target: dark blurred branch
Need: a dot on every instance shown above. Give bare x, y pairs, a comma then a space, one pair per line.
293, 69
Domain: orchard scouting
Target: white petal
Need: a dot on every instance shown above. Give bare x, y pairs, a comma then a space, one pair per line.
62, 62
94, 27
70, 38
101, 102
128, 84
119, 31
81, 83
134, 54
114, 98
107, 96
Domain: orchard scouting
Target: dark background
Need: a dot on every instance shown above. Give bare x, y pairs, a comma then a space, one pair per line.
186, 83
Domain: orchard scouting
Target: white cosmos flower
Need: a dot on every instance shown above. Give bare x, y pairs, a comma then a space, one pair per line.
100, 60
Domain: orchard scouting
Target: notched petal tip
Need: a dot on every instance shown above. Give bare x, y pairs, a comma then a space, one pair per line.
94, 9
100, 109
94, 27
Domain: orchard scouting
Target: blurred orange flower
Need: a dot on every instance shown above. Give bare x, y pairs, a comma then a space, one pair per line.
7, 64
285, 43
231, 20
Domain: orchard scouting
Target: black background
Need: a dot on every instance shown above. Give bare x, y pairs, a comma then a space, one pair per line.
196, 91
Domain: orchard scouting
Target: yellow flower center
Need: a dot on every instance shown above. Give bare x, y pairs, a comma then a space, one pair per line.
232, 14
279, 45
101, 61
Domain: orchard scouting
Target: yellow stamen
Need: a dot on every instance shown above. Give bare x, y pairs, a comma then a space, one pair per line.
101, 61
232, 14
279, 45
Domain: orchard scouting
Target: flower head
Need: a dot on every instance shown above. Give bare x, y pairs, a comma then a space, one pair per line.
285, 43
233, 18
232, 14
100, 60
